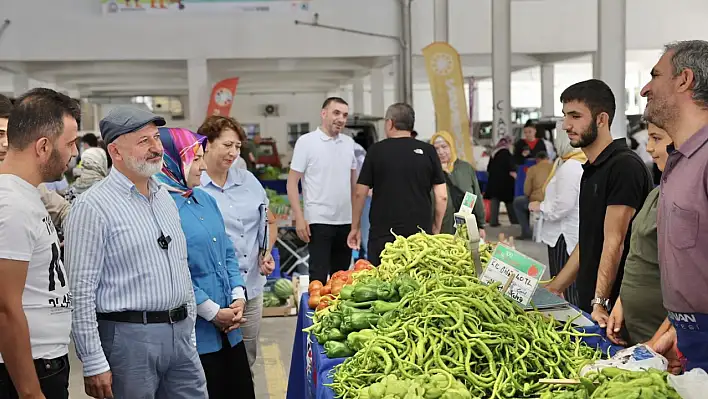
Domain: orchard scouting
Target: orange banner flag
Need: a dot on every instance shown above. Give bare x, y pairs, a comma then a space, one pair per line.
222, 97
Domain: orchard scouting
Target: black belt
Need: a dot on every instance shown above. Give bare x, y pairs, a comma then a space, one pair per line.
166, 316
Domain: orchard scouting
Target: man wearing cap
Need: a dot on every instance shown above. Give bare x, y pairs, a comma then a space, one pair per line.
134, 309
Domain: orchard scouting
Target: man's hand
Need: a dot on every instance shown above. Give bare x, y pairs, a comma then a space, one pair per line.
354, 239
614, 324
482, 234
99, 386
535, 206
600, 315
665, 345
225, 318
267, 264
303, 230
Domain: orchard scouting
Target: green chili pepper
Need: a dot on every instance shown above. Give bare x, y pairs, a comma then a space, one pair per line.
382, 307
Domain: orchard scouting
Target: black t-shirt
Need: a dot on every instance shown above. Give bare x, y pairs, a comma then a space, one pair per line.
401, 172
617, 177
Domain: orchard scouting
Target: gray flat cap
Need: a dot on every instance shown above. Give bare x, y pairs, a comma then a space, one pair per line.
124, 119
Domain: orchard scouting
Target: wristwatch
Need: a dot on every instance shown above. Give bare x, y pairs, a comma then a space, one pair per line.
604, 302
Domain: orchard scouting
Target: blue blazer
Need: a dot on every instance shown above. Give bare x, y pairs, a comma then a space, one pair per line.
212, 263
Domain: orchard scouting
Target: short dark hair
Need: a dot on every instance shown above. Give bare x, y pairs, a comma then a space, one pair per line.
90, 139
542, 155
595, 94
337, 100
214, 125
39, 113
5, 107
402, 115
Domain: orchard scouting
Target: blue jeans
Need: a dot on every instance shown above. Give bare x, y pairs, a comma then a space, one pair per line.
521, 209
365, 228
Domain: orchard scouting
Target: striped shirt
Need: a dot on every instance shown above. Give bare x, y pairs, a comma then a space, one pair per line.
115, 262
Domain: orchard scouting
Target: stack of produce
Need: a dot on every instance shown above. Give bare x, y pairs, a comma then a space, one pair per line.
278, 204
345, 325
279, 294
617, 383
446, 322
438, 385
322, 295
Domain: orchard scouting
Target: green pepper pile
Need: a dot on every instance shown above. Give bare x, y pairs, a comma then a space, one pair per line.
617, 383
439, 385
471, 331
344, 328
423, 256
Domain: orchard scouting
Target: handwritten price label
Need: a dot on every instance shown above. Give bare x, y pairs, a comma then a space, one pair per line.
504, 264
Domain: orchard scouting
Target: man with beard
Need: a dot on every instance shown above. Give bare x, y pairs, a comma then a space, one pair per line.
134, 309
614, 185
56, 205
35, 302
677, 101
324, 159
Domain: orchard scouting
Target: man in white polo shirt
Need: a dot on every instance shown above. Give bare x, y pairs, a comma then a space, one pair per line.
35, 302
325, 161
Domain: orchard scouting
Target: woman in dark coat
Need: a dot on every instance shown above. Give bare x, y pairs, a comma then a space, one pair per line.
502, 175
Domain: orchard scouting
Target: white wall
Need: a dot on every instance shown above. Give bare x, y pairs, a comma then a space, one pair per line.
77, 30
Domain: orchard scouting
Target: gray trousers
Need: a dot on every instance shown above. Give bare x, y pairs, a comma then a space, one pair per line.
252, 327
153, 361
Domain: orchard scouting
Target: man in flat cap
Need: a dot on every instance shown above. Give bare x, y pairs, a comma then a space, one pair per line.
134, 309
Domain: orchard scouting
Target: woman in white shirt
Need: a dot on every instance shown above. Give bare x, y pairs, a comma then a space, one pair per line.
559, 221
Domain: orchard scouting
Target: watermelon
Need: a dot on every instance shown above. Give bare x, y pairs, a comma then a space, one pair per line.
270, 300
283, 288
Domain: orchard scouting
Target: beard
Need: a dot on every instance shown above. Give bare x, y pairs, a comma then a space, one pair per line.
587, 137
660, 113
54, 168
143, 168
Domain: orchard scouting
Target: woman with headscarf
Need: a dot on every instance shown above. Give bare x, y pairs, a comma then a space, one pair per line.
460, 178
219, 289
559, 222
502, 175
94, 167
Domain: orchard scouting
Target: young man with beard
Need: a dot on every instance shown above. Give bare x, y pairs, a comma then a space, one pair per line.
325, 162
35, 302
56, 205
613, 188
678, 103
134, 307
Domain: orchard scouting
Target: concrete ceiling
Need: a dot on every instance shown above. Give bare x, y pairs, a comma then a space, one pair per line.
257, 76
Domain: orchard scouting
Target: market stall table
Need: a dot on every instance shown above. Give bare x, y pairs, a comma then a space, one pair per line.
310, 367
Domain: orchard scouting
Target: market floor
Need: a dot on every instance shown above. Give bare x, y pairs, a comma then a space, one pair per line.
272, 366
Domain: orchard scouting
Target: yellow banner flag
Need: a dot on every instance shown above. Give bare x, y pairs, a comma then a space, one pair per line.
447, 86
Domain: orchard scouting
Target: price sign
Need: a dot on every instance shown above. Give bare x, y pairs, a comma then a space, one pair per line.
507, 263
468, 202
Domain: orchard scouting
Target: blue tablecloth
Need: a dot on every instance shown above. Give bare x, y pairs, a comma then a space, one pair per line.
310, 367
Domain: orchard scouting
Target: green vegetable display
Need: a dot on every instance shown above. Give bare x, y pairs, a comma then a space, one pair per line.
270, 300
472, 332
357, 339
616, 383
365, 292
283, 288
434, 386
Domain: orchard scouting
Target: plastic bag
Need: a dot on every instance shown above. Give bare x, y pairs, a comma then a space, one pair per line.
690, 385
636, 358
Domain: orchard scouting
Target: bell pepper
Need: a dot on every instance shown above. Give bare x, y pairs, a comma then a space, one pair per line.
332, 320
381, 307
362, 320
334, 349
356, 340
356, 306
330, 334
346, 292
346, 326
364, 293
385, 292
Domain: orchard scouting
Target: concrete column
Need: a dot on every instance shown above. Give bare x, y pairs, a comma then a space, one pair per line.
20, 84
199, 85
378, 107
611, 56
548, 100
595, 65
398, 81
357, 96
501, 68
441, 20
96, 111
